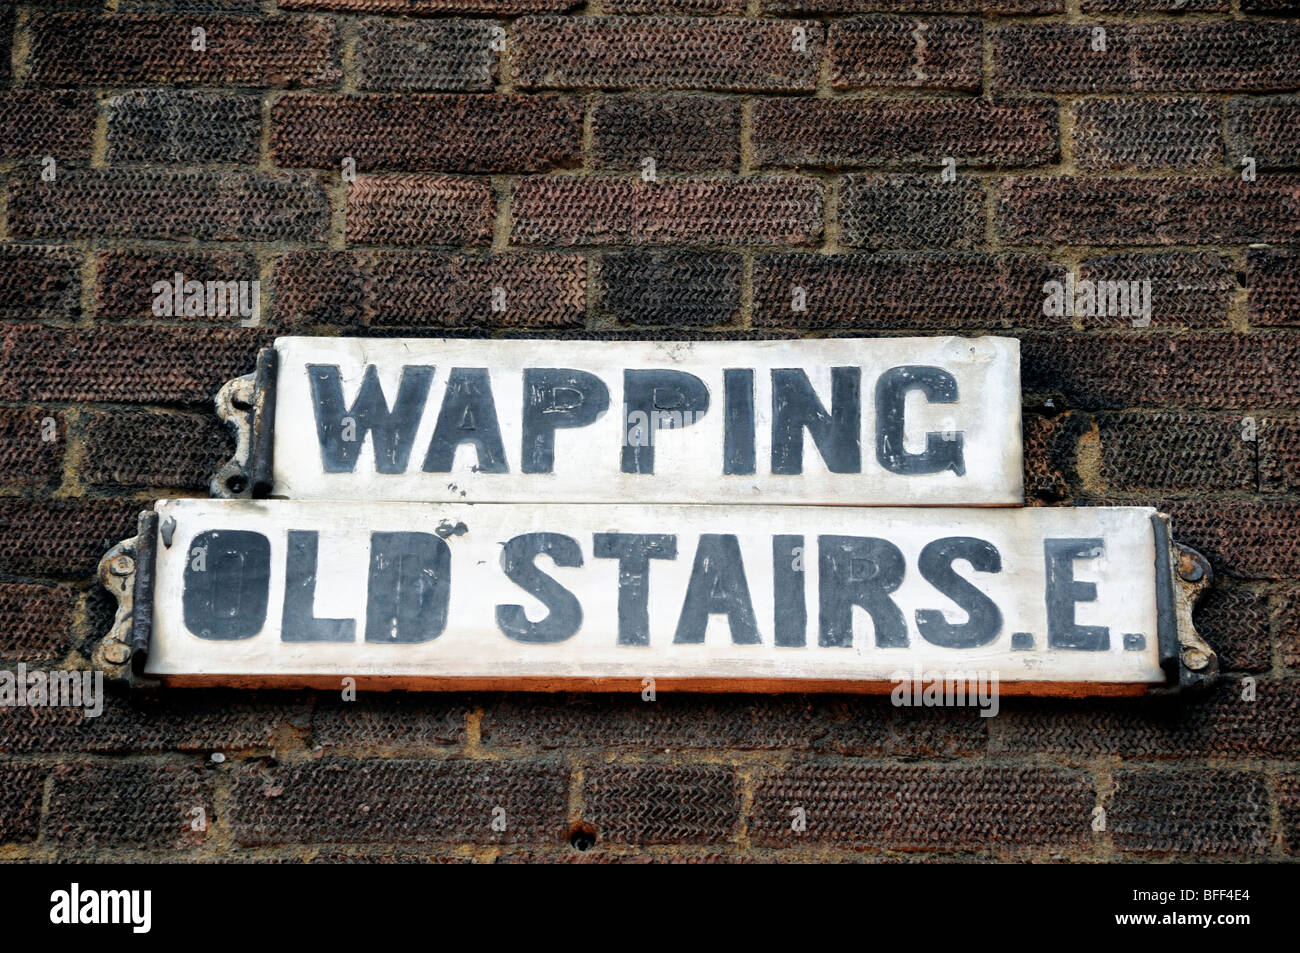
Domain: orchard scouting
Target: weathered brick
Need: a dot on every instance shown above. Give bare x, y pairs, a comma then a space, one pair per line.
183, 126
911, 807
399, 802
699, 7
935, 291
135, 448
125, 278
661, 804
1250, 540
38, 621
7, 16
429, 289
725, 53
1174, 452
62, 537
411, 56
1201, 813
45, 122
389, 721
20, 802
1268, 6
1273, 280
1235, 622
918, 6
1163, 211
39, 281
1154, 6
430, 6
1278, 440
1147, 133
578, 211
672, 288
127, 805
1203, 56
1188, 289
1051, 454
423, 133
1219, 725
686, 133
902, 51
1267, 130
1284, 622
232, 205
1288, 796
910, 211
32, 441
848, 132
72, 48
420, 210
1195, 369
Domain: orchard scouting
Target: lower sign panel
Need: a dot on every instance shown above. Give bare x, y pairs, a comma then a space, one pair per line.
602, 597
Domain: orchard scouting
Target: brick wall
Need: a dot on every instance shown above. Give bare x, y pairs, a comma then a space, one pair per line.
797, 143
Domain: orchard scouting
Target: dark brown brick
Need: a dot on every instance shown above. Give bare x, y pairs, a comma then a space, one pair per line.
1164, 211
672, 288
39, 281
725, 53
1279, 455
183, 126
1268, 6
573, 211
661, 804
1246, 539
1218, 725
20, 802
1236, 624
153, 365
1051, 455
1203, 56
411, 56
912, 807
1273, 279
1147, 133
429, 289
420, 210
399, 802
704, 7
849, 132
937, 291
62, 538
1188, 289
888, 51
685, 133
41, 122
38, 621
1174, 453
232, 205
1201, 813
1195, 369
32, 441
125, 278
420, 133
1288, 796
127, 805
911, 211
918, 6
1267, 130
72, 48
1284, 613
1154, 6
389, 721
429, 6
7, 17
144, 448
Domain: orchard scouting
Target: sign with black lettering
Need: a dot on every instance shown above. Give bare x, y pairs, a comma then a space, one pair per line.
554, 596
888, 421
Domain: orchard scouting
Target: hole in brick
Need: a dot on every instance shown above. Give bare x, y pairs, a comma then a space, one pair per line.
582, 837
236, 484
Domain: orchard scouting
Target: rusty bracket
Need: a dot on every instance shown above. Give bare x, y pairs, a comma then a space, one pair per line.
127, 571
247, 406
1188, 660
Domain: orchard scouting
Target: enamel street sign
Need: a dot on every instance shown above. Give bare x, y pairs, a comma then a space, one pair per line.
885, 421
1091, 600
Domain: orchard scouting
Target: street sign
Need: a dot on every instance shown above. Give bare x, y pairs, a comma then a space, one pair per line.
886, 421
1075, 601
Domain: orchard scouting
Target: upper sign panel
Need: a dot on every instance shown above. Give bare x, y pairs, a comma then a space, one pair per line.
886, 421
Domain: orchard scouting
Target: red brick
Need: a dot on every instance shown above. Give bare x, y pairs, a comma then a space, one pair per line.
39, 621
1203, 56
1267, 130
124, 278
233, 205
1250, 540
21, 787
1279, 455
884, 51
1154, 6
1188, 289
686, 133
72, 48
1147, 133
673, 6
918, 6
1273, 280
1164, 211
1235, 622
389, 722
126, 805
1284, 609
420, 210
725, 53
62, 538
398, 802
579, 211
661, 804
39, 281
429, 6
913, 807
32, 441
849, 132
419, 133
39, 122
1174, 452
429, 289
952, 292
425, 55
144, 448
1200, 813
910, 211
183, 126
